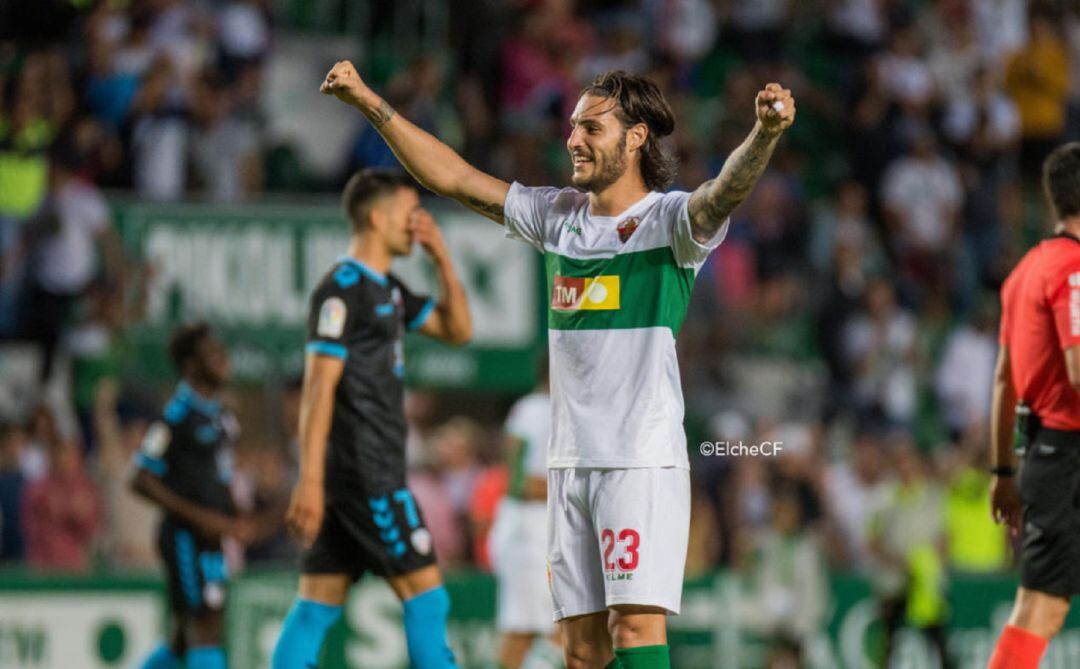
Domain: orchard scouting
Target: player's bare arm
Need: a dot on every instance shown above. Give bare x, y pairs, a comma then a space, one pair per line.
321, 375
450, 321
1004, 495
431, 162
210, 523
714, 200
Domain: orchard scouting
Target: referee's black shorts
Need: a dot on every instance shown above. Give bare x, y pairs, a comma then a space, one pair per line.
381, 532
1049, 481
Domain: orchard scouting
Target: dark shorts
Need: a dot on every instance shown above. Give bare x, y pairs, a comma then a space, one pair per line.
1049, 481
195, 571
381, 533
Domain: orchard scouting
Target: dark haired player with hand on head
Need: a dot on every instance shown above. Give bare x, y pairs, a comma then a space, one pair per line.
351, 505
184, 466
621, 260
1037, 405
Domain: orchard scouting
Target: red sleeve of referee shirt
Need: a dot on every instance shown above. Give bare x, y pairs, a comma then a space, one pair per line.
1063, 293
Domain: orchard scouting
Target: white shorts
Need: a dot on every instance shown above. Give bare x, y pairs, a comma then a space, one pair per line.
617, 536
518, 546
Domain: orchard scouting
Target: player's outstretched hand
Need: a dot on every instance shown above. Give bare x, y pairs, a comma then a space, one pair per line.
427, 233
775, 109
305, 514
1005, 502
344, 83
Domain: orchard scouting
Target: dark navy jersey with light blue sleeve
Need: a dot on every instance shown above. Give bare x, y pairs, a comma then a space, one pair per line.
190, 449
361, 316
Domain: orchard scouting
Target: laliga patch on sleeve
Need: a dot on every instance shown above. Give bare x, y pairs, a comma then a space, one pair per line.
156, 440
332, 318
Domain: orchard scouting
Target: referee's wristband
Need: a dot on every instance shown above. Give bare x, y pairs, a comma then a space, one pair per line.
1003, 470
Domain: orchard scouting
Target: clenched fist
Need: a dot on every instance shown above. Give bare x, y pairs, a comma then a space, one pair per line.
344, 83
775, 109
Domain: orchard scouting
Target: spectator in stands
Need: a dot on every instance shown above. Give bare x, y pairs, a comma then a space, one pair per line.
854, 486
907, 543
905, 76
1037, 78
61, 513
787, 587
879, 353
983, 127
12, 482
975, 543
922, 199
965, 374
129, 522
65, 238
39, 101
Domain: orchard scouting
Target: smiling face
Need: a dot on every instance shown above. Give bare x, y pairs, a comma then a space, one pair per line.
598, 144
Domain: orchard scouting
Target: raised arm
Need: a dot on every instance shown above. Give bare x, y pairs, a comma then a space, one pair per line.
449, 321
434, 164
714, 200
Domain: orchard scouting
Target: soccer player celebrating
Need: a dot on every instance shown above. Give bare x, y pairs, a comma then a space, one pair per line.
621, 259
351, 506
1037, 399
523, 611
184, 466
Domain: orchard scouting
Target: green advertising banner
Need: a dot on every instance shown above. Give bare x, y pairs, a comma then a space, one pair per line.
249, 270
110, 622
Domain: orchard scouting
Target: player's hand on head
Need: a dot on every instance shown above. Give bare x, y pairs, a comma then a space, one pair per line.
1005, 502
305, 514
344, 83
426, 232
775, 108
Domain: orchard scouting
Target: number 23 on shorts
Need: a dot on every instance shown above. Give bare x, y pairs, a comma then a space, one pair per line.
628, 541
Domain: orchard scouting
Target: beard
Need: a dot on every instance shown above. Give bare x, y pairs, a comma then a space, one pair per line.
613, 165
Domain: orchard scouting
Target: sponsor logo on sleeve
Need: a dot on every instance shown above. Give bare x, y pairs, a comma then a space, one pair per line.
1074, 304
571, 293
332, 318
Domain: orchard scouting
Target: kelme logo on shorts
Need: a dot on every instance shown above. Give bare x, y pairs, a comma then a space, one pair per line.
578, 293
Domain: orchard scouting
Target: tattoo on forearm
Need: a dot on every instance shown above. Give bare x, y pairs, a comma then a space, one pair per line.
487, 208
721, 195
380, 115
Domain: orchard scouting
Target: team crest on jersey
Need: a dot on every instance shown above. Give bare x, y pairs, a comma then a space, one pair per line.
579, 293
627, 228
156, 440
332, 318
421, 540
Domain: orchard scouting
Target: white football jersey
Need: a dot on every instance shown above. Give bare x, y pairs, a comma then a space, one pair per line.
618, 289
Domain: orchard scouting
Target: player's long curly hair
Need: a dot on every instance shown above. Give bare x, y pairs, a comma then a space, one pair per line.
640, 101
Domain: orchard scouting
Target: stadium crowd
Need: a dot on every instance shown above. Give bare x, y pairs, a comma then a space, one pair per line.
850, 316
